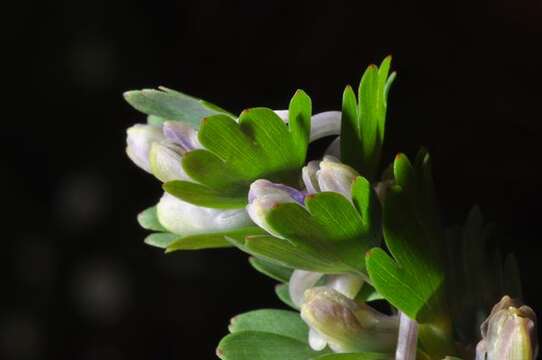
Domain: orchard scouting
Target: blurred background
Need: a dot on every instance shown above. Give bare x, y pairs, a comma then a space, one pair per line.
78, 282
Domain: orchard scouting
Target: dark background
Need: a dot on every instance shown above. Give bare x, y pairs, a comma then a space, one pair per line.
78, 283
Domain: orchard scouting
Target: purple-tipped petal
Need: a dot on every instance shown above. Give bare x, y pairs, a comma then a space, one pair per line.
264, 187
264, 196
181, 134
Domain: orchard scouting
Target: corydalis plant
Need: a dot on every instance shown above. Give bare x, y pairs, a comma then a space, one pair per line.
337, 234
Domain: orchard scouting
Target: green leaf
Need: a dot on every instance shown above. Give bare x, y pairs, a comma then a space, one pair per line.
252, 345
355, 356
283, 293
148, 219
260, 145
329, 226
168, 104
210, 240
299, 120
284, 253
155, 120
274, 271
364, 120
273, 321
367, 204
202, 195
412, 282
161, 240
368, 294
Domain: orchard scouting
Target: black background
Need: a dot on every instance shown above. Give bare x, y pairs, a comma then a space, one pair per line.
78, 283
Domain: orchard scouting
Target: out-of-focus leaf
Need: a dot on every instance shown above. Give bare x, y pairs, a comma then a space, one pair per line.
368, 294
274, 271
210, 240
155, 120
283, 294
169, 104
148, 219
161, 240
511, 277
355, 356
273, 321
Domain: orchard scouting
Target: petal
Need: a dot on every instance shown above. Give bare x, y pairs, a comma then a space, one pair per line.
182, 134
308, 173
139, 139
300, 281
165, 162
183, 218
316, 341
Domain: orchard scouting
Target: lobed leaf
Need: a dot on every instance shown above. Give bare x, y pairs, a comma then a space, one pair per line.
258, 145
413, 279
330, 227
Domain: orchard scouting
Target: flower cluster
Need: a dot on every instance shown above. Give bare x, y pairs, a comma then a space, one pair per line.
337, 233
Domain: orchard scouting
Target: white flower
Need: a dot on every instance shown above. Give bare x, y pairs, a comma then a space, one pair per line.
182, 218
139, 139
159, 149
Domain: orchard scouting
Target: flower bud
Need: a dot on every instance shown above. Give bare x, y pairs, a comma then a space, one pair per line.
508, 333
264, 196
139, 140
347, 325
329, 175
185, 219
165, 162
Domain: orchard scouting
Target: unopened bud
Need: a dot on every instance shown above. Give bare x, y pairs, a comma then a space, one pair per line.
347, 325
139, 139
329, 175
508, 333
165, 161
264, 196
